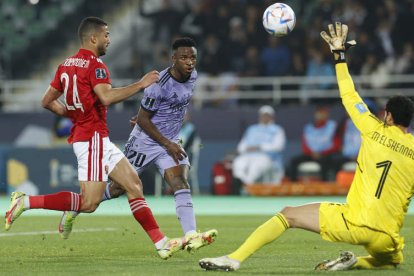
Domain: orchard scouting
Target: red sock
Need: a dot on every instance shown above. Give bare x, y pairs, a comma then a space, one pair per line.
62, 201
142, 213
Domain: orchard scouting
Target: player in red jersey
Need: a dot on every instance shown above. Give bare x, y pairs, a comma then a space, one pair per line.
85, 83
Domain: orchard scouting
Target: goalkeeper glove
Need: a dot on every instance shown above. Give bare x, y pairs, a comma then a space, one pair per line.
336, 41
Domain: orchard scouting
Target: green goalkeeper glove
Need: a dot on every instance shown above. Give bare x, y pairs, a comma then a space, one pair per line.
336, 41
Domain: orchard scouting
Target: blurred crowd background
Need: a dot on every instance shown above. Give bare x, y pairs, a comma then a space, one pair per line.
240, 66
229, 35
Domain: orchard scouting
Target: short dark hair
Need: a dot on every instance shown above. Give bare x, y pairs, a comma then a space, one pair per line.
89, 25
402, 110
183, 42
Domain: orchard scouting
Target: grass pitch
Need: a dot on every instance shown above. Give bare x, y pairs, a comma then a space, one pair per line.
116, 245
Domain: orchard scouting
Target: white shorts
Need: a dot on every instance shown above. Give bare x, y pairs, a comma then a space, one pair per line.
94, 156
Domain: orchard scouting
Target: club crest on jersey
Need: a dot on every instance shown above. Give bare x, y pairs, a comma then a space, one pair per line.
149, 102
100, 73
361, 108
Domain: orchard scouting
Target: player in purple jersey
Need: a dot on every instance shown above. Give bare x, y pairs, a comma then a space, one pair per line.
154, 140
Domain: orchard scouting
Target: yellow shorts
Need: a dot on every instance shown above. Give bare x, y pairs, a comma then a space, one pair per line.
336, 228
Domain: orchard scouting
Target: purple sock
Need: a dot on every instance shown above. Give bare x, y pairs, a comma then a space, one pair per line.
184, 210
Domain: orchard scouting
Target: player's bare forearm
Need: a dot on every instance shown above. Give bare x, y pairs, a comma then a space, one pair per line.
173, 149
51, 101
109, 95
57, 107
146, 124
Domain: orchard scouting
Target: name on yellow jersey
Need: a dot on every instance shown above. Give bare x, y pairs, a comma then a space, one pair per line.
392, 144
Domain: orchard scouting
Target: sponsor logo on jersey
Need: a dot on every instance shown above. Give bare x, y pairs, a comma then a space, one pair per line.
181, 105
100, 73
361, 108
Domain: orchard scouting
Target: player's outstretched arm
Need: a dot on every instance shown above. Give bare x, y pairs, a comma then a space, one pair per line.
109, 95
51, 101
337, 41
354, 105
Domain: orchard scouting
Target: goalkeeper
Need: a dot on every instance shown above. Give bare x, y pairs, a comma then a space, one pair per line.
378, 199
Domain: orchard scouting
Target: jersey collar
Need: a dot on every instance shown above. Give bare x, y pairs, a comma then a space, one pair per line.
84, 51
172, 76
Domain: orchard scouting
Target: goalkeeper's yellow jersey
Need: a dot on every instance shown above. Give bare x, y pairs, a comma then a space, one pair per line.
384, 179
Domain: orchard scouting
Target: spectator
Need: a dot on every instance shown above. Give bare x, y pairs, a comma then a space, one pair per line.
318, 66
385, 21
166, 21
251, 66
212, 55
218, 22
253, 23
193, 23
191, 143
275, 58
222, 86
319, 144
377, 72
404, 63
351, 141
188, 136
350, 137
383, 32
367, 43
298, 69
161, 56
260, 150
236, 44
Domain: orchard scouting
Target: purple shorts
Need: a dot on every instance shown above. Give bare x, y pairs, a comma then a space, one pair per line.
141, 156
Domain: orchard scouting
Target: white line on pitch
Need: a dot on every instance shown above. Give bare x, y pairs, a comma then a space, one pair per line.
56, 232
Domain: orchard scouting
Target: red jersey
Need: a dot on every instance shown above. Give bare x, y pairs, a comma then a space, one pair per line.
76, 77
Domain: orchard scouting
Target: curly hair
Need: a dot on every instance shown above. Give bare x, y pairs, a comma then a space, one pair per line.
402, 110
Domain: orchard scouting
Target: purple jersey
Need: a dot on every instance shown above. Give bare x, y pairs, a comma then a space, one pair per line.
168, 100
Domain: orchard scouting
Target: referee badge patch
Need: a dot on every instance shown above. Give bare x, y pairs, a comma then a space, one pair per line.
100, 73
361, 108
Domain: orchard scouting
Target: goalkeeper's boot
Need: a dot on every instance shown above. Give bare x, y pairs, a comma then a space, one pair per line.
66, 223
345, 262
197, 240
220, 263
16, 208
170, 247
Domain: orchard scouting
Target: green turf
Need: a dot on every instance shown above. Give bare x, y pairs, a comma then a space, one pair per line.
124, 249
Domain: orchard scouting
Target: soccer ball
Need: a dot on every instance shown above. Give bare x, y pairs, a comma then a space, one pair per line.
279, 19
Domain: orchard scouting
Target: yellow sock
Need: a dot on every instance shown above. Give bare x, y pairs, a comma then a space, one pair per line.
369, 262
264, 234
